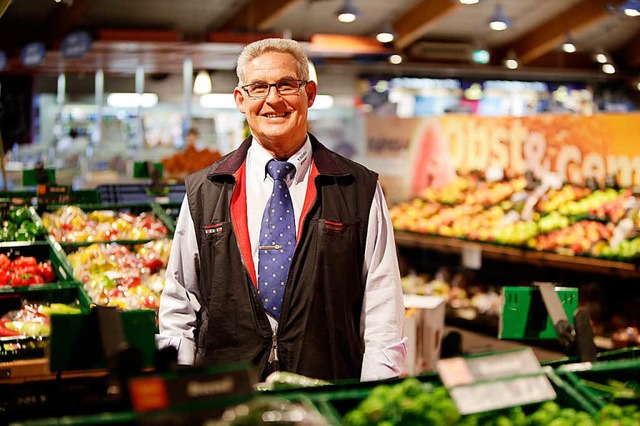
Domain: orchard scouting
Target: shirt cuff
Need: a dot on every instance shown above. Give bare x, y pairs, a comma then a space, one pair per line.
185, 347
385, 363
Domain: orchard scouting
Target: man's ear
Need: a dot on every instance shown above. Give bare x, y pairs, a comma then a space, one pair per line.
311, 89
238, 96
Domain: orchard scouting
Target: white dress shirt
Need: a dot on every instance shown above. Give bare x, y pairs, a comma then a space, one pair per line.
382, 316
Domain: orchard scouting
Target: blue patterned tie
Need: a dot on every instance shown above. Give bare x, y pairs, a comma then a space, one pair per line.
277, 239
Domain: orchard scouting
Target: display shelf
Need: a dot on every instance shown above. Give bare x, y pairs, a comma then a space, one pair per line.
521, 255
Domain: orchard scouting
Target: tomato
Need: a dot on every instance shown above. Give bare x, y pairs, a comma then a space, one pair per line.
5, 263
46, 271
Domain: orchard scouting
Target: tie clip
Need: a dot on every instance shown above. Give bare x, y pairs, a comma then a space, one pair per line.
276, 247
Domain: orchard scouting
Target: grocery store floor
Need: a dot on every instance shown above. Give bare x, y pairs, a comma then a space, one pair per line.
472, 343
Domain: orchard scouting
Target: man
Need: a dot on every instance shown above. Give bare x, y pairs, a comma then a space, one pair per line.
309, 284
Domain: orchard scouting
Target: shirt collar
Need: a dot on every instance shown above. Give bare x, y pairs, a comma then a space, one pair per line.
301, 159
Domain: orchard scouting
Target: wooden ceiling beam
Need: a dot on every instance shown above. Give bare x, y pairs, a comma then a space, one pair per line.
259, 14
552, 33
417, 21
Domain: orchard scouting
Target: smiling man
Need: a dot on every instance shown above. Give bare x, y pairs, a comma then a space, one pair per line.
283, 253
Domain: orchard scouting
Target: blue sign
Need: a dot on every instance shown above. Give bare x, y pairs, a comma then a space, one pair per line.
3, 60
76, 44
32, 54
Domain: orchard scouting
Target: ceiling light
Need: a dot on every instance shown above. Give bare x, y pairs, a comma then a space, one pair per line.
511, 60
469, 1
132, 100
608, 69
385, 35
395, 59
348, 12
499, 21
601, 56
202, 85
480, 56
628, 8
568, 45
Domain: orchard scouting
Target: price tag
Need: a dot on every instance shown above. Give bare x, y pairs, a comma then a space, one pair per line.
621, 231
472, 257
527, 210
490, 382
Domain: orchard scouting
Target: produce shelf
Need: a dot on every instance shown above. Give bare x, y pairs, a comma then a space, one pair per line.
514, 254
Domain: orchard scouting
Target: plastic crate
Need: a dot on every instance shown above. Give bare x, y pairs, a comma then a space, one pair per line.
591, 379
75, 339
613, 355
20, 348
42, 251
524, 315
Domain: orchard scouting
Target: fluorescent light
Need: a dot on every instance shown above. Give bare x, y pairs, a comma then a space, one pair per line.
202, 85
218, 101
323, 102
132, 100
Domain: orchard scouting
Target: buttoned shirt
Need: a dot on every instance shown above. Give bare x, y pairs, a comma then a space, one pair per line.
382, 317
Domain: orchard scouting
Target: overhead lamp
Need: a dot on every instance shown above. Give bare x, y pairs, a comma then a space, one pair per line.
348, 12
601, 56
568, 45
386, 34
499, 21
202, 84
511, 60
480, 55
395, 59
608, 69
469, 1
628, 8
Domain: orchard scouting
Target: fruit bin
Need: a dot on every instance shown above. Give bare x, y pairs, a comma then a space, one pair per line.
84, 224
42, 251
49, 299
600, 383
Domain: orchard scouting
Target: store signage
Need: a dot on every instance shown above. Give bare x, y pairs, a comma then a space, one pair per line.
76, 44
32, 54
3, 60
495, 381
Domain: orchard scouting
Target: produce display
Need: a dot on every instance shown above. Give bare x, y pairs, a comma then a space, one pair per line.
18, 225
411, 402
188, 161
126, 277
33, 319
570, 220
24, 271
71, 224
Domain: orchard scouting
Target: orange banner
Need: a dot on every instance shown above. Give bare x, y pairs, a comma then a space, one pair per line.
573, 146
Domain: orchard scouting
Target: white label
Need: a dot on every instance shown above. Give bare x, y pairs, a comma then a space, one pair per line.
472, 257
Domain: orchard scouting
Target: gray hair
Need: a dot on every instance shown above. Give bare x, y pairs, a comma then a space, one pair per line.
282, 45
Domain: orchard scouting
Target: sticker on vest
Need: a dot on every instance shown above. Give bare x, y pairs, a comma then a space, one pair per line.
216, 228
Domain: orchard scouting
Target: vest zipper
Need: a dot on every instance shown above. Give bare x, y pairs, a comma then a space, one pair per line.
273, 354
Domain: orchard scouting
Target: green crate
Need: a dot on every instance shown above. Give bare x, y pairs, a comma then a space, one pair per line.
42, 251
30, 176
75, 339
595, 381
525, 317
612, 355
20, 348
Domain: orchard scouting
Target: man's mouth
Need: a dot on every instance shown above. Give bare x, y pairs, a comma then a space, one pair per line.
276, 115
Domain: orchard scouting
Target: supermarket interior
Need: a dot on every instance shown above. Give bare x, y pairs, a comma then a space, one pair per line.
506, 139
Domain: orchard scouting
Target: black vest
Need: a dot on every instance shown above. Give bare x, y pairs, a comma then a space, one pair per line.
319, 328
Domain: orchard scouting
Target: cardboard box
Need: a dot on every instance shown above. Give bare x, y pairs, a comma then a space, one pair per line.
424, 327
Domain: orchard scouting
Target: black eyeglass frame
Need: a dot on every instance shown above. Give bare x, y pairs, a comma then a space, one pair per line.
300, 82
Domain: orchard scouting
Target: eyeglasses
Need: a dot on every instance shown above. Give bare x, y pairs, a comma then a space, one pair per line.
284, 88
